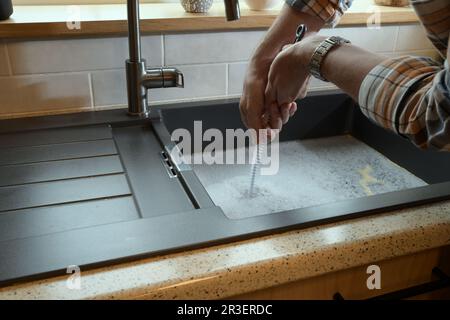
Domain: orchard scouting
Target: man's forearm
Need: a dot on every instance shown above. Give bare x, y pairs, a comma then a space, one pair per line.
346, 66
281, 33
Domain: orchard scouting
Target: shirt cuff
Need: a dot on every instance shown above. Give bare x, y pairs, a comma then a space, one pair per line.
329, 11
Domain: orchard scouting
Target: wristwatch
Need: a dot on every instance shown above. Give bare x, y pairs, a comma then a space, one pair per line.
320, 52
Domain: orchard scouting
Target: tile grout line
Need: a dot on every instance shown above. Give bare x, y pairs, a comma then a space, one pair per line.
24, 75
91, 90
227, 71
396, 40
163, 50
113, 69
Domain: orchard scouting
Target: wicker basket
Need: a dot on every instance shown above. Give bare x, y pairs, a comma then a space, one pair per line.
196, 6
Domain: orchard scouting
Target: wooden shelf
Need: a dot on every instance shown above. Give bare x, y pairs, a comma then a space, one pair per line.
110, 20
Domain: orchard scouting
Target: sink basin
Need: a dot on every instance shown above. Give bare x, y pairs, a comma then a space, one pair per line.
98, 188
329, 153
311, 172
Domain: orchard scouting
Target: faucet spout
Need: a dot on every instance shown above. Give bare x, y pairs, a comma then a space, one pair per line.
134, 34
163, 78
139, 78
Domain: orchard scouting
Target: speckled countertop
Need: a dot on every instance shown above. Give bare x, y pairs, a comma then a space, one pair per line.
227, 270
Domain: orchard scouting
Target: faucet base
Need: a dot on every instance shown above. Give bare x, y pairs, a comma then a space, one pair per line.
137, 93
142, 115
140, 79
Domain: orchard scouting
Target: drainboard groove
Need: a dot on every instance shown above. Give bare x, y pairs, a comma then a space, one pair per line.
64, 191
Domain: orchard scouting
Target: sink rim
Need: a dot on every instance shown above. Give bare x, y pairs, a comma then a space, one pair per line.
179, 231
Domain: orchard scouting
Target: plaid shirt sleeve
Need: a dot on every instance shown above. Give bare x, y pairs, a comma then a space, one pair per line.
330, 11
411, 95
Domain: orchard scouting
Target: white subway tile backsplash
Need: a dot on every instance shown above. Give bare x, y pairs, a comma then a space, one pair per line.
200, 81
63, 74
236, 74
210, 47
4, 67
47, 56
412, 37
152, 50
34, 93
382, 39
109, 87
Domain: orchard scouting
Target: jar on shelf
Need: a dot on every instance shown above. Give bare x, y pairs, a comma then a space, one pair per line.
258, 5
6, 9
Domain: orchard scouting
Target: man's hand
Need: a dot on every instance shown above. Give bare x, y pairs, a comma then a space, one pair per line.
288, 80
252, 99
253, 104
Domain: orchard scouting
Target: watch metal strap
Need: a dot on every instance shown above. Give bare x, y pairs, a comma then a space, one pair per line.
320, 52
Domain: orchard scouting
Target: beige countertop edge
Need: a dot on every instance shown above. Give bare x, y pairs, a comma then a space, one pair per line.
236, 268
110, 20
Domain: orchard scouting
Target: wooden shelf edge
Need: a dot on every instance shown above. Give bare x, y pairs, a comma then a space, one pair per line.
175, 23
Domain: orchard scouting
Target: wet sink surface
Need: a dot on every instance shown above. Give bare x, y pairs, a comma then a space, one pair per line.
311, 172
99, 188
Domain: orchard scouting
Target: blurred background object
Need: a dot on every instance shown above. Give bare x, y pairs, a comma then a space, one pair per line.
392, 3
261, 4
6, 9
196, 6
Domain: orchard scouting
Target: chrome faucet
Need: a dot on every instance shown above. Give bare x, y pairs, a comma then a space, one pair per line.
139, 78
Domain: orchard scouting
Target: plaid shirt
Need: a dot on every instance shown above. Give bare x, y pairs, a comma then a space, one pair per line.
408, 95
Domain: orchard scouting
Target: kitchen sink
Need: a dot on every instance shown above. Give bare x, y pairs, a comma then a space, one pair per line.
97, 188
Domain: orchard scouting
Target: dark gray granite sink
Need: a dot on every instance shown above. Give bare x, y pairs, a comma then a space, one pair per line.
98, 188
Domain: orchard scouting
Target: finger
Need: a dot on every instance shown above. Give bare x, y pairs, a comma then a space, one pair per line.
265, 119
302, 93
270, 98
284, 111
304, 89
243, 111
269, 93
292, 109
254, 117
264, 131
254, 111
287, 46
275, 117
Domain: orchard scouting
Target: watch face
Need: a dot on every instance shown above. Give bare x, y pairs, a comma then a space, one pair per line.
339, 40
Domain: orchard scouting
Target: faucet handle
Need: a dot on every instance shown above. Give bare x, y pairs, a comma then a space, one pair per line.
172, 77
163, 78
